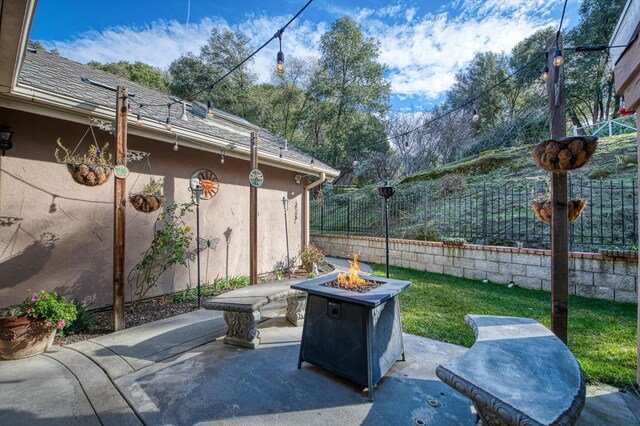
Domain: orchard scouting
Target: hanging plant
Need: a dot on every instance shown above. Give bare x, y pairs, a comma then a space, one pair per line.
562, 154
150, 198
90, 169
542, 209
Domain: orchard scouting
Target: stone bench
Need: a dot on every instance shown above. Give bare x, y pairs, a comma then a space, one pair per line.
517, 373
241, 309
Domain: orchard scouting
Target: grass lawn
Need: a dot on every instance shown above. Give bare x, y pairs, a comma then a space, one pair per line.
602, 334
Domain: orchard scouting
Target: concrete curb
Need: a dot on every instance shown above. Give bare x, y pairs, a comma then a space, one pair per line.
107, 402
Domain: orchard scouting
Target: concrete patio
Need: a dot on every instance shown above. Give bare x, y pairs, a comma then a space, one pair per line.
176, 371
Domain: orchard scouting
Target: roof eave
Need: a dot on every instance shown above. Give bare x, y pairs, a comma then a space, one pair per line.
34, 100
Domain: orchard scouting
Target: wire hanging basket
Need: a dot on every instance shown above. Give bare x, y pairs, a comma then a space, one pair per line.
562, 154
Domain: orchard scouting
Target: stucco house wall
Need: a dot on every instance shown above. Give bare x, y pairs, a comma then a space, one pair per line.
57, 234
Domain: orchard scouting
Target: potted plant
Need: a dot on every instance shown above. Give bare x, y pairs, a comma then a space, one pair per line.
150, 198
30, 328
90, 169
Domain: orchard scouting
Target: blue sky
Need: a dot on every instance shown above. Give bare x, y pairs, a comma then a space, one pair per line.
424, 43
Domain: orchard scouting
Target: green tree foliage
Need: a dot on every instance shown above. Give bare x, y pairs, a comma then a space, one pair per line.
349, 92
138, 72
590, 86
224, 50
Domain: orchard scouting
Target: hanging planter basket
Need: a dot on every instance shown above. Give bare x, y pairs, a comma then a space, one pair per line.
146, 203
563, 154
89, 174
542, 209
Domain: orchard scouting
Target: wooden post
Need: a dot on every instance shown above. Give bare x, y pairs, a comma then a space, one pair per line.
253, 212
559, 219
120, 187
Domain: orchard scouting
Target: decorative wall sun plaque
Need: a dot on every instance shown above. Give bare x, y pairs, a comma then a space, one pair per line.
208, 182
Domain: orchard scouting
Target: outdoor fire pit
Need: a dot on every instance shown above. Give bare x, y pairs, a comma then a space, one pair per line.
357, 336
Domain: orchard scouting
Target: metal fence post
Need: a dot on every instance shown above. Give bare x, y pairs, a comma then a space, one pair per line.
484, 213
426, 216
322, 218
348, 215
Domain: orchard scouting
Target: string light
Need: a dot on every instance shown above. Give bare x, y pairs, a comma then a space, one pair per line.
558, 60
209, 108
281, 152
406, 147
280, 56
222, 156
139, 116
475, 117
175, 144
167, 124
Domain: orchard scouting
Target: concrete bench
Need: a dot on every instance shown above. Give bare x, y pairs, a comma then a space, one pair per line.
517, 373
241, 309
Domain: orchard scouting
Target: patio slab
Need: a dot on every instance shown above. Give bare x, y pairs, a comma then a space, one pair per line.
219, 384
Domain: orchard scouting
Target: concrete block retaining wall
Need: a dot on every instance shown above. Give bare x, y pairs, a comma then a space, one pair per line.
590, 274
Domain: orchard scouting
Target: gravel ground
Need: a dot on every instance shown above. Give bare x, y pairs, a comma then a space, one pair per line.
152, 310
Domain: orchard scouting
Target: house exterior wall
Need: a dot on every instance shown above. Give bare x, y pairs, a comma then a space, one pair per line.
590, 275
57, 234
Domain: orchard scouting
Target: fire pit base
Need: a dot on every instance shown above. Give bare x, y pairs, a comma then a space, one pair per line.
355, 336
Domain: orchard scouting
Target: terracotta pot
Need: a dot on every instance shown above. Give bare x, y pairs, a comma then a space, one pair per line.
564, 153
146, 203
89, 174
542, 209
22, 337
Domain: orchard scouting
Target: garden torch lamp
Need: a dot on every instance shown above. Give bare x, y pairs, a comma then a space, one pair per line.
386, 192
285, 204
198, 193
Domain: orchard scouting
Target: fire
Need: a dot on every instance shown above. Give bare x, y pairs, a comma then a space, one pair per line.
351, 278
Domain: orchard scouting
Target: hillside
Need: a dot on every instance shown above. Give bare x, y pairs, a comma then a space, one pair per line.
486, 199
615, 158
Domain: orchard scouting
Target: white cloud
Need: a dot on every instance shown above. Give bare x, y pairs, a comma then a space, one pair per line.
423, 50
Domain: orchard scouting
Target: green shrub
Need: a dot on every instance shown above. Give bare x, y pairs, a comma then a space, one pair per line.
599, 172
625, 161
85, 320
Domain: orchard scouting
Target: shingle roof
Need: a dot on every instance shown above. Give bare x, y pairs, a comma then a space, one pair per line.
58, 75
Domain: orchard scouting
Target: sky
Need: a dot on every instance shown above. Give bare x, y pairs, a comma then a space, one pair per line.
422, 42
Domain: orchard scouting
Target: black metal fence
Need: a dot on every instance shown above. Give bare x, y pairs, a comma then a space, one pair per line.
489, 214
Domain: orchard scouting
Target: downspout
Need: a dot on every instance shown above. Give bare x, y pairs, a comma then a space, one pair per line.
305, 196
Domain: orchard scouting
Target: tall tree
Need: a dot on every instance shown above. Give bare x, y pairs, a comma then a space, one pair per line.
352, 91
590, 90
190, 74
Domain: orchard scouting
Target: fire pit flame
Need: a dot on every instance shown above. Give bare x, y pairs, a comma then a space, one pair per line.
351, 278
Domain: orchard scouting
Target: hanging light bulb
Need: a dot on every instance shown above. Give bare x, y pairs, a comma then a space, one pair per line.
545, 73
558, 60
280, 56
355, 163
222, 156
281, 152
209, 108
475, 116
406, 147
175, 144
138, 119
167, 124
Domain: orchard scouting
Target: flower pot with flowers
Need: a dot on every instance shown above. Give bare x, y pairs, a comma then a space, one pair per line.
90, 169
310, 255
150, 198
30, 328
